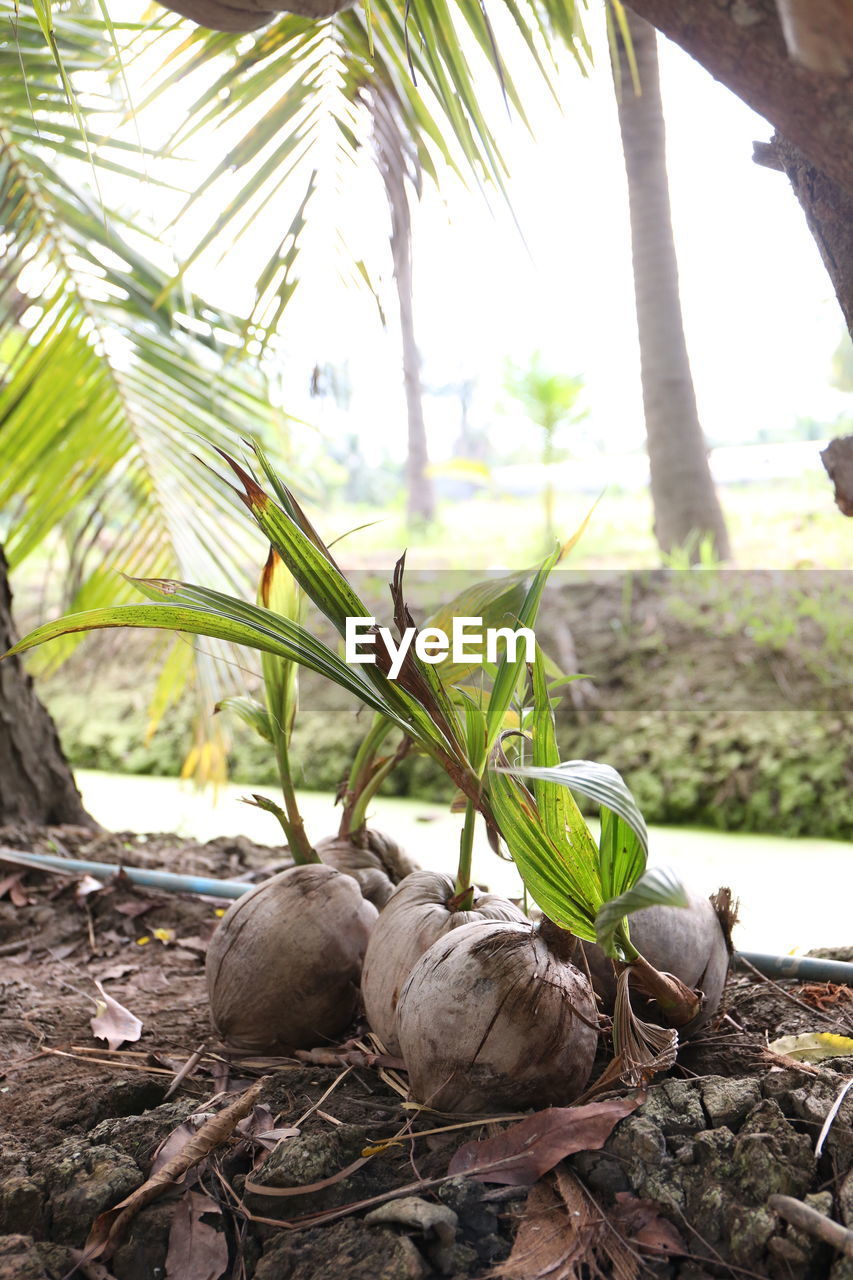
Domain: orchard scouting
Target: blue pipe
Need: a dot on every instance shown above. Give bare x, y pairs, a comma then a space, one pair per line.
137, 875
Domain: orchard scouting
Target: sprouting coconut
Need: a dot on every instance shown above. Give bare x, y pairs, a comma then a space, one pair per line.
420, 911
692, 943
493, 1017
283, 967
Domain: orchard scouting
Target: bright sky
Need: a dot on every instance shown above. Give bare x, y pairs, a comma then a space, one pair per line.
762, 322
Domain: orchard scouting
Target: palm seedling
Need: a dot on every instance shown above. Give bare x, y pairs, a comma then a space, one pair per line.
373, 859
504, 1014
586, 890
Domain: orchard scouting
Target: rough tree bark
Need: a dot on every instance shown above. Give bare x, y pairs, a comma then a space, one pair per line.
685, 500
742, 44
36, 784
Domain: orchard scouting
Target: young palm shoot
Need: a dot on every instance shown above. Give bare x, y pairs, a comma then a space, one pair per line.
374, 858
499, 1015
278, 592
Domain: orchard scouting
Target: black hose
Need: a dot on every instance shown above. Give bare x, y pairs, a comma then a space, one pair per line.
801, 968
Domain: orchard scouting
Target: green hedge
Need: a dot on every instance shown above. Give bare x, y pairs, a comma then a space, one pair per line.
785, 772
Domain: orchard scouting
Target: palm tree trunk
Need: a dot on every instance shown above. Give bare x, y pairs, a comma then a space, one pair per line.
685, 501
420, 497
36, 784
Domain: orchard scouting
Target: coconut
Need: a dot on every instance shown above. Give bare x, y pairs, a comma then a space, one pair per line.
415, 916
689, 942
283, 967
378, 864
492, 1018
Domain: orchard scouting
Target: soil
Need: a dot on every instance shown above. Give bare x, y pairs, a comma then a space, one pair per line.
80, 1123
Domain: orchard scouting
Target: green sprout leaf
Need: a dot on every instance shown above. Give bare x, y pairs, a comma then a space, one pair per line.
250, 711
564, 885
656, 887
599, 782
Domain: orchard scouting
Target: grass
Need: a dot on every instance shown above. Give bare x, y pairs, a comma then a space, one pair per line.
785, 524
789, 889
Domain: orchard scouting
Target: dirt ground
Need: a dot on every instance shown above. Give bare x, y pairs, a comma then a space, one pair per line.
680, 1188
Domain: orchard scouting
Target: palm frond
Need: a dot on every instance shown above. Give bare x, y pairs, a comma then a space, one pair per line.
108, 376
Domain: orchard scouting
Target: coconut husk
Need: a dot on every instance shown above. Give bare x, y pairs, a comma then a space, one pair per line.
688, 942
415, 916
378, 863
283, 967
491, 1019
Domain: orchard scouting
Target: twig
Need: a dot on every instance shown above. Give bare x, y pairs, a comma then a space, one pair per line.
833, 1112
297, 1124
187, 1069
807, 1219
107, 1062
12, 948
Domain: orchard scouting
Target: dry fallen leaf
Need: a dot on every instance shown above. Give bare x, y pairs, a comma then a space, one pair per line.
564, 1236
113, 1022
527, 1150
197, 1251
641, 1222
813, 1046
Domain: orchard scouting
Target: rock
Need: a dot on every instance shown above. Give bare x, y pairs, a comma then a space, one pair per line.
813, 1101
299, 1162
727, 1101
22, 1206
21, 1258
82, 1181
142, 1255
845, 1200
770, 1157
433, 1220
675, 1107
714, 1182
350, 1249
139, 1136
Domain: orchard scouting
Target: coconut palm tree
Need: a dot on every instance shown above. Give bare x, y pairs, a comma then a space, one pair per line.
686, 507
397, 159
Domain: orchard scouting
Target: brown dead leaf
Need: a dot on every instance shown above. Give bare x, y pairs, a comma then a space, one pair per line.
641, 1221
564, 1236
8, 882
197, 1251
117, 971
113, 1022
109, 1227
527, 1150
135, 909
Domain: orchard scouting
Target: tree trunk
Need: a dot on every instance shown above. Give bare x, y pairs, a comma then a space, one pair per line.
829, 212
685, 501
742, 44
36, 784
420, 500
